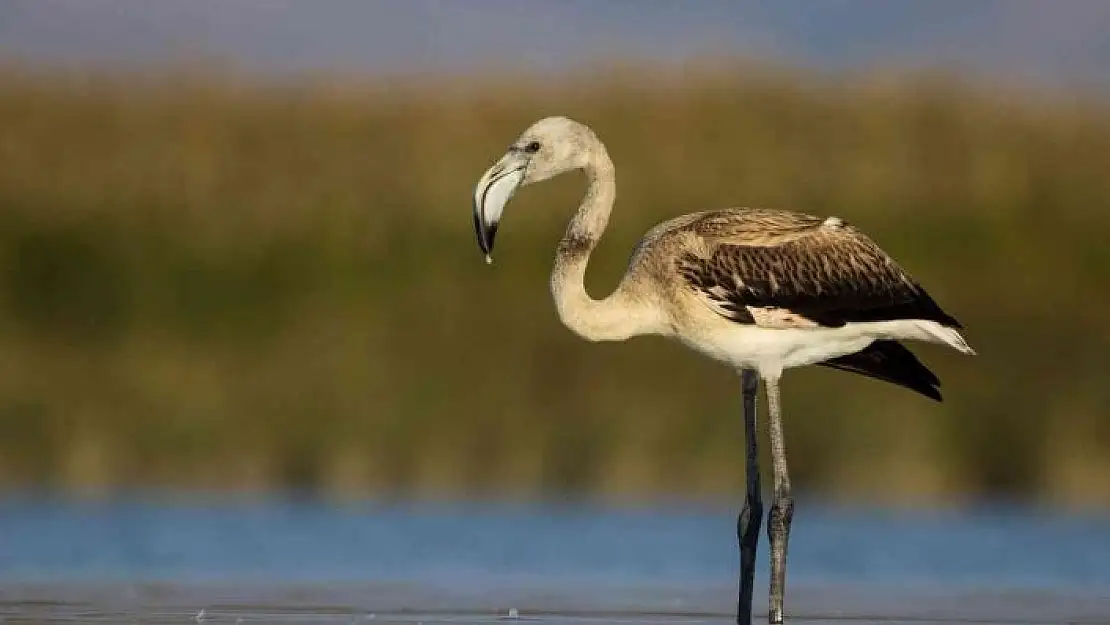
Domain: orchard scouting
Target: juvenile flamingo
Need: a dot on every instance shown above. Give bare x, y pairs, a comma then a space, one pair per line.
757, 289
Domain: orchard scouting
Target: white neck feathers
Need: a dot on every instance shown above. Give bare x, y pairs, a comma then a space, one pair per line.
622, 314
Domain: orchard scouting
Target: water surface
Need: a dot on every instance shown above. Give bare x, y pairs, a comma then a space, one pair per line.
145, 560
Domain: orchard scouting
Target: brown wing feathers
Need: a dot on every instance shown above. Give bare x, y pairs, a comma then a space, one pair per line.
825, 275
828, 279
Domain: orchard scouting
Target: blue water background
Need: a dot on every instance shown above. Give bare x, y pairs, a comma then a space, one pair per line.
298, 540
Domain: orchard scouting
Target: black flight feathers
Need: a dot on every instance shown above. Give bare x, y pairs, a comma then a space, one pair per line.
890, 361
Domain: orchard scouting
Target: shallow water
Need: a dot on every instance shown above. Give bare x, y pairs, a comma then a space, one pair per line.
148, 561
422, 603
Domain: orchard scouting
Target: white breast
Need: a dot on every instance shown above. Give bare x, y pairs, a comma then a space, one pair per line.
773, 350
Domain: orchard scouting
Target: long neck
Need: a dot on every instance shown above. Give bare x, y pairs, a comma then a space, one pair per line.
618, 316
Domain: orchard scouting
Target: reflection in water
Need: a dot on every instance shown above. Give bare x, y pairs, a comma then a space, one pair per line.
299, 561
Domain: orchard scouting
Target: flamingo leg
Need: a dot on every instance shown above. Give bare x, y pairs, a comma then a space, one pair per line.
747, 525
782, 506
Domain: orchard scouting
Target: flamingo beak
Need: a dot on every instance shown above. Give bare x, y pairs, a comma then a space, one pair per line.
492, 193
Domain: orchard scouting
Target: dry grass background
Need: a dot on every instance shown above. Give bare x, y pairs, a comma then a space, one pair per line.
212, 284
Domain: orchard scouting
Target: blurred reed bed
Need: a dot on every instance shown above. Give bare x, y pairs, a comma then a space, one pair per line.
212, 284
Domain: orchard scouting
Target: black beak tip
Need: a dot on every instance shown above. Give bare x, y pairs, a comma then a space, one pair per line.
489, 233
485, 234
